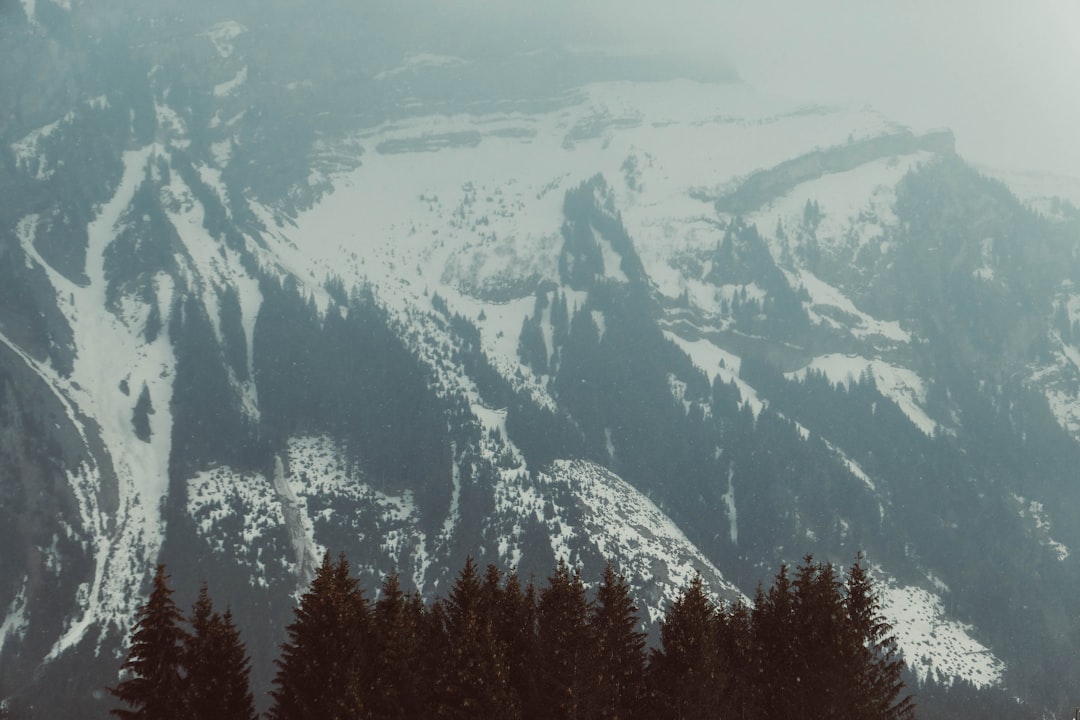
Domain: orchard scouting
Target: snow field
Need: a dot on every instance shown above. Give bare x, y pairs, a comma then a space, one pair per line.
932, 645
93, 390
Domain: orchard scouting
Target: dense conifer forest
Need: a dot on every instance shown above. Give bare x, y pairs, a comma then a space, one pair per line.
814, 644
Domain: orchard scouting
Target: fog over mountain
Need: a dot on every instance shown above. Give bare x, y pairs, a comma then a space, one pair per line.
699, 288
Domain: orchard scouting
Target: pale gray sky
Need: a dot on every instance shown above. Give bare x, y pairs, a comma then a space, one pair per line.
1004, 74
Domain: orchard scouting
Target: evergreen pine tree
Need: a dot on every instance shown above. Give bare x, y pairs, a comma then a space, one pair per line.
564, 646
217, 684
739, 655
515, 626
684, 674
773, 619
821, 673
473, 683
876, 674
323, 671
400, 688
619, 649
154, 689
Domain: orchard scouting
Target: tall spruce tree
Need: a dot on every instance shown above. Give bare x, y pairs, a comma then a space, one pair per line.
474, 682
515, 627
218, 668
820, 683
619, 662
154, 688
876, 676
775, 635
324, 668
564, 647
401, 685
738, 653
685, 681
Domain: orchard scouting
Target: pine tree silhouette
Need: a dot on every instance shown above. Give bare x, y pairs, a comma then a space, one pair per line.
154, 689
878, 687
515, 628
619, 667
402, 683
217, 684
684, 673
474, 680
564, 644
323, 672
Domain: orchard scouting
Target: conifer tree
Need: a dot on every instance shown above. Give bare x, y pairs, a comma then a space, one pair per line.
564, 646
739, 655
217, 684
684, 674
154, 689
822, 668
773, 620
619, 649
474, 681
323, 670
515, 627
401, 681
876, 677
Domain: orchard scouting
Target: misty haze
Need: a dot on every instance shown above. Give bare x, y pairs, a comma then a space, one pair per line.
539, 360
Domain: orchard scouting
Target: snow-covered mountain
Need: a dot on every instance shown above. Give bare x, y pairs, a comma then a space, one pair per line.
264, 293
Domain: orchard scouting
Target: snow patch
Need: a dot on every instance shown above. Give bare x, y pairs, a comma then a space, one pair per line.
825, 295
301, 532
223, 36
934, 646
15, 621
226, 88
714, 361
612, 261
1034, 510
900, 385
728, 499
30, 155
30, 8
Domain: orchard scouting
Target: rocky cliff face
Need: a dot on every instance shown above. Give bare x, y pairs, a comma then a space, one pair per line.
267, 290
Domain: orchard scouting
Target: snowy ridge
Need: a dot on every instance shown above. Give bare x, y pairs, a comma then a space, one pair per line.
619, 522
857, 206
901, 385
420, 60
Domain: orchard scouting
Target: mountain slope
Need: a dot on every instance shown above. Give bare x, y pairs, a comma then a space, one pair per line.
399, 309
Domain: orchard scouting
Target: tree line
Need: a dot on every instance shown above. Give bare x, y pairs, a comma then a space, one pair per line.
813, 645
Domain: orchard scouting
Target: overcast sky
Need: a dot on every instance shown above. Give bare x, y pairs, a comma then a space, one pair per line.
1004, 74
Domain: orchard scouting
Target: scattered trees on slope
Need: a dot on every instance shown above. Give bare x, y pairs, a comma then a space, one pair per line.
812, 645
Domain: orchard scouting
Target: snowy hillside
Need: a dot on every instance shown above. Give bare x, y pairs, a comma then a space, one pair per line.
413, 309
